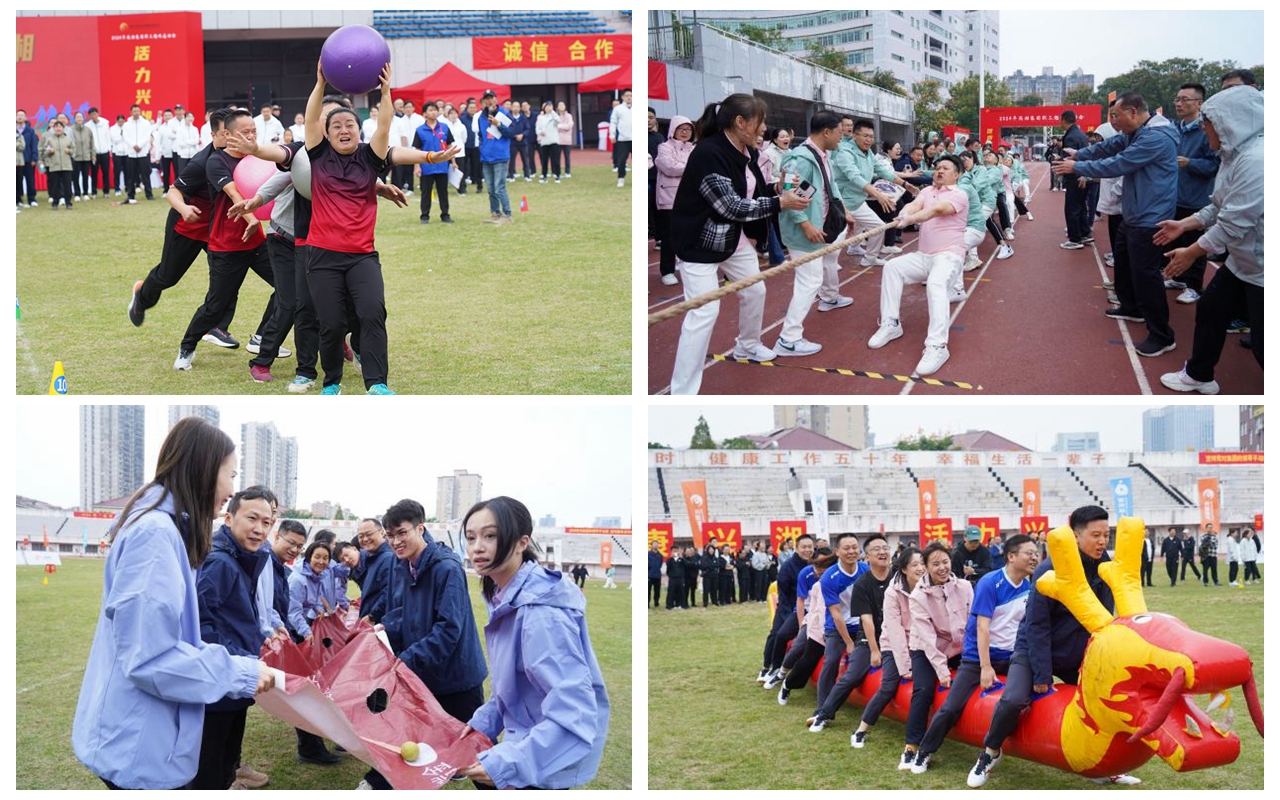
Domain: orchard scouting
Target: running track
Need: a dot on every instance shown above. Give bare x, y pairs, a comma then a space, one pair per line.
1033, 324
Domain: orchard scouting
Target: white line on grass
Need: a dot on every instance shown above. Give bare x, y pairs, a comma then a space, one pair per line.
25, 346
46, 681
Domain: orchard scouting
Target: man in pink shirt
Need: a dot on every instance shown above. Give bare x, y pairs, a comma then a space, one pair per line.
940, 211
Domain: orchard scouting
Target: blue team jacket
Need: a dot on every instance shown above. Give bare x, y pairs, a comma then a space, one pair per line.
227, 585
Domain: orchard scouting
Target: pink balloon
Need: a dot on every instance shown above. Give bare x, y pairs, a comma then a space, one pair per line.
249, 176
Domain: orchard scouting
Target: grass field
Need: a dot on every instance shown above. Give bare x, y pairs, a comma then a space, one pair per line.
542, 306
55, 629
712, 726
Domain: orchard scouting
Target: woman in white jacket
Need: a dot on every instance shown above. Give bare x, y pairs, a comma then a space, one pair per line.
186, 144
459, 131
548, 132
565, 127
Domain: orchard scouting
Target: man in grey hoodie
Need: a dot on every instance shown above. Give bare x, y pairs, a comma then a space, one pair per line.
1232, 222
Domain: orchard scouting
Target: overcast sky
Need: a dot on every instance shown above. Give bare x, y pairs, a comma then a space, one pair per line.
1110, 43
1036, 427
570, 460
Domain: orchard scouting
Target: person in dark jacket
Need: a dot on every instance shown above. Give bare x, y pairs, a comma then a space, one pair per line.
1051, 641
429, 620
785, 622
1171, 550
520, 133
1197, 168
692, 565
721, 206
373, 574
970, 560
655, 576
1188, 544
655, 140
677, 596
226, 587
1076, 210
746, 575
471, 153
580, 576
710, 564
1148, 558
30, 155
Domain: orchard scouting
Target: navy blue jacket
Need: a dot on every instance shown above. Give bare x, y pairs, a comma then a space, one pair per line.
31, 145
1195, 180
226, 587
1075, 138
1049, 635
375, 582
280, 587
520, 126
472, 138
788, 575
430, 623
655, 565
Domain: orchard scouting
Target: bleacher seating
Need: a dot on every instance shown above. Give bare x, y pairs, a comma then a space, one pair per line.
449, 24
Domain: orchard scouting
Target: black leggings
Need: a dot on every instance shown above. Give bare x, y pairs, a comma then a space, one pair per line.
1002, 208
334, 279
227, 271
176, 257
550, 153
1018, 204
808, 654
565, 149
1251, 571
283, 266
775, 647
1189, 562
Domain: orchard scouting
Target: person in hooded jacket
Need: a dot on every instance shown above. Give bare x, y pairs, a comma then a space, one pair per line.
227, 589
429, 621
672, 156
149, 676
549, 701
1232, 222
908, 570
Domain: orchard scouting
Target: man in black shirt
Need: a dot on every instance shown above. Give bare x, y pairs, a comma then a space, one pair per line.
1079, 225
970, 560
866, 601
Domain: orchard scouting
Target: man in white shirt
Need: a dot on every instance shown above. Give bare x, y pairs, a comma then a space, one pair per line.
370, 125
299, 128
136, 132
206, 133
620, 132
119, 158
166, 135
401, 135
270, 131
100, 173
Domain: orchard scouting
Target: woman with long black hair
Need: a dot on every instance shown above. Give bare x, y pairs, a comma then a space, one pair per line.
140, 715
895, 660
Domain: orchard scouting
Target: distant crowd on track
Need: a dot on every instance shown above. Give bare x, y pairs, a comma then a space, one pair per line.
1175, 194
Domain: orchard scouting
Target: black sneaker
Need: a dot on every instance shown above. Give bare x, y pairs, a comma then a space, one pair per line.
136, 312
1246, 341
1119, 313
1150, 348
324, 758
783, 694
221, 338
1238, 326
425, 220
446, 218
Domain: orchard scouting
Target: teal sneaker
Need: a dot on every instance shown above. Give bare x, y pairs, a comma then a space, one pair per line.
334, 389
301, 383
379, 388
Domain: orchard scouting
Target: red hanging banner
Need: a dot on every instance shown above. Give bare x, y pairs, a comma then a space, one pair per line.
664, 534
990, 527
586, 50
153, 60
723, 534
935, 530
1032, 525
784, 530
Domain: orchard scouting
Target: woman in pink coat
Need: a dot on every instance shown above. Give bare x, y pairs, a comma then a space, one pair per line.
565, 126
939, 612
895, 659
673, 154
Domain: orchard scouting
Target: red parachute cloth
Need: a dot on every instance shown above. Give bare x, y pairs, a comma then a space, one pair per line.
347, 686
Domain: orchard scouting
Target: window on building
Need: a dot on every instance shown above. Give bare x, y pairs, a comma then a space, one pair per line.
897, 57
895, 34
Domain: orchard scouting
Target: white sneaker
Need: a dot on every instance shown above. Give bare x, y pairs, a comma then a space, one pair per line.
1008, 234
892, 249
872, 261
621, 182
117, 192
921, 765
76, 198
183, 362
800, 347
670, 280
1182, 382
932, 360
1109, 259
1121, 779
527, 179
363, 785
1188, 296
557, 180
887, 332
757, 353
1030, 218
982, 769
774, 678
132, 202
1003, 252
972, 264
855, 250
831, 305
1172, 284
957, 296
907, 760
567, 175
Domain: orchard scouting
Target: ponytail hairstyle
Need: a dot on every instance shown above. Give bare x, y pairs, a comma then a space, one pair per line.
717, 117
514, 521
186, 470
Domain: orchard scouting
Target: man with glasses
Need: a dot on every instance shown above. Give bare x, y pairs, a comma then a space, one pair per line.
999, 604
373, 573
856, 169
866, 602
1197, 168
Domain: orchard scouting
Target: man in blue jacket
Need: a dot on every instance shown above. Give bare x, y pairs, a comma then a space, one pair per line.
520, 130
490, 127
1051, 641
1197, 168
226, 589
30, 155
429, 621
655, 575
470, 164
1145, 153
374, 573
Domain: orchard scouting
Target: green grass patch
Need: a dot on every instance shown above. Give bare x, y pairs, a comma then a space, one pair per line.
55, 630
541, 306
713, 727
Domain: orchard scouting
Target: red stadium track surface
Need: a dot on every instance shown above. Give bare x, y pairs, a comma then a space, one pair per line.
1033, 324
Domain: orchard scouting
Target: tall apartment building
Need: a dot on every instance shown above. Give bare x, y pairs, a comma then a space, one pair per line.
456, 494
913, 45
1052, 89
112, 459
1251, 428
207, 413
269, 459
848, 424
1177, 428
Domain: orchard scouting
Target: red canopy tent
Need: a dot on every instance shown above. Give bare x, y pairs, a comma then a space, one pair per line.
614, 81
658, 81
451, 84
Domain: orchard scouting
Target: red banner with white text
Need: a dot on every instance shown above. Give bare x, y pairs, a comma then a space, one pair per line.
585, 50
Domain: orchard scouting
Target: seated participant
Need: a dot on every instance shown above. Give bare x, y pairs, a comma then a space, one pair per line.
894, 630
805, 653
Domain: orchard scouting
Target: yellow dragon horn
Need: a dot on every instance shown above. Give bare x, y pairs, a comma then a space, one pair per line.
1066, 582
1122, 573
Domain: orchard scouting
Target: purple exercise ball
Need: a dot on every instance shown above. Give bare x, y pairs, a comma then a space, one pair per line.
353, 57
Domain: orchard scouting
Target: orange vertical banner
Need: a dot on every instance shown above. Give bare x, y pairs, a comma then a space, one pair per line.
1030, 497
1210, 502
928, 500
695, 502
606, 555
